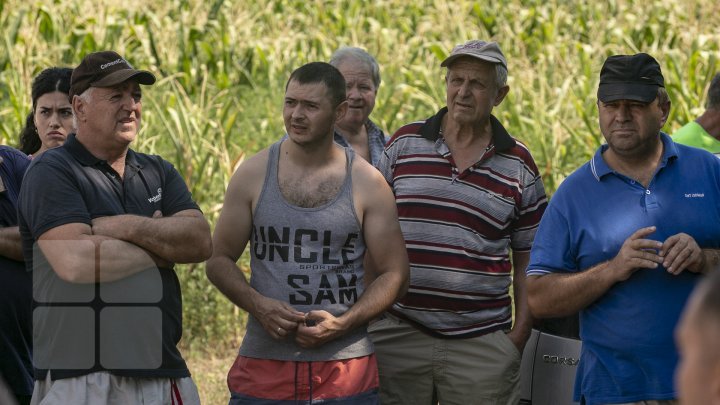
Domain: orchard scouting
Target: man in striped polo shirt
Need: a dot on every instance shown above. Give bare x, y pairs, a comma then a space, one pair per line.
468, 195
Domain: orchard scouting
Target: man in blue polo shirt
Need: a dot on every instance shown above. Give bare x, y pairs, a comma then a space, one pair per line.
102, 226
625, 239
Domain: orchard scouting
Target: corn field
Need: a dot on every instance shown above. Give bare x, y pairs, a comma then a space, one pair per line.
222, 67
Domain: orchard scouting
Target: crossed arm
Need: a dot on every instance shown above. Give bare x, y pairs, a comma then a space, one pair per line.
181, 238
11, 243
118, 246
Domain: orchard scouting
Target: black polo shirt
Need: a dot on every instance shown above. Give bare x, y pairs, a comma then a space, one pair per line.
129, 327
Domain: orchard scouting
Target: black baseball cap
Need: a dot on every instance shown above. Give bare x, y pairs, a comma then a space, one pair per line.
630, 77
105, 69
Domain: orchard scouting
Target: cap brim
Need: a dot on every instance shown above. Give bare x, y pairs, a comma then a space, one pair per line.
120, 76
450, 59
627, 91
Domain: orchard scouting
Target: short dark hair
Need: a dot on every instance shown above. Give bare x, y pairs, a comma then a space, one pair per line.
49, 80
662, 96
321, 72
713, 100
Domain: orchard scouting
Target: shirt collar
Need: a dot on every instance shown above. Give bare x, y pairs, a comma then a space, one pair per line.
372, 129
600, 168
82, 155
500, 136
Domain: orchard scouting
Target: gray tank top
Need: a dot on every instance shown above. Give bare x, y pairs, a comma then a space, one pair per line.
311, 258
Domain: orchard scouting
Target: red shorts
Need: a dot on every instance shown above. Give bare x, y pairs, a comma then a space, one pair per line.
260, 381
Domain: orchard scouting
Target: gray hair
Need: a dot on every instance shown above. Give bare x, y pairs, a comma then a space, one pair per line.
501, 74
85, 96
349, 52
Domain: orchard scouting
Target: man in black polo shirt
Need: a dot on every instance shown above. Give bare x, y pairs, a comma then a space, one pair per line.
102, 226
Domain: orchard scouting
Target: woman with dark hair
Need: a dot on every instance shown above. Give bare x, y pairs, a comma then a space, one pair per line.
51, 118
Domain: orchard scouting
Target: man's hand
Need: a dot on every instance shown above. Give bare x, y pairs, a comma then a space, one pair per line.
322, 327
277, 318
519, 338
680, 252
183, 237
637, 253
108, 226
112, 225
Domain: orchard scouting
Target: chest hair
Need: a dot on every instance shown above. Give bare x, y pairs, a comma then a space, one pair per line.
311, 191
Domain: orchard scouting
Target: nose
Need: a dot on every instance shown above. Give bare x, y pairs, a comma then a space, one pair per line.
623, 113
297, 113
54, 122
129, 102
463, 90
353, 93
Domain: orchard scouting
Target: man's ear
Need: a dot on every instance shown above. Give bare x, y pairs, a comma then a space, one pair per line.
665, 108
78, 107
502, 92
341, 110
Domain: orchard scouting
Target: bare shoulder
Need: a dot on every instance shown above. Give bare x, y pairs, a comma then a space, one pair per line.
366, 175
248, 179
256, 164
370, 190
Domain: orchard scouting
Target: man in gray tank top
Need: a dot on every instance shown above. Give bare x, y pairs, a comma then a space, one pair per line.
310, 211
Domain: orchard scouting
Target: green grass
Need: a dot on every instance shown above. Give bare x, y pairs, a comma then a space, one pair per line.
223, 65
209, 371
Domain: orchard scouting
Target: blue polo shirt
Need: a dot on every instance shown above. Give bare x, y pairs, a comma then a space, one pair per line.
15, 285
628, 349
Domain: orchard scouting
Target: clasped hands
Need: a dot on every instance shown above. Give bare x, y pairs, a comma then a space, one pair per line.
677, 253
282, 321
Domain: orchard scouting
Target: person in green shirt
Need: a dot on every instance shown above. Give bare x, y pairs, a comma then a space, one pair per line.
704, 132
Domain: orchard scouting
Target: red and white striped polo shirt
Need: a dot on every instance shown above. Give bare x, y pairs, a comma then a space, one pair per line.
459, 228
